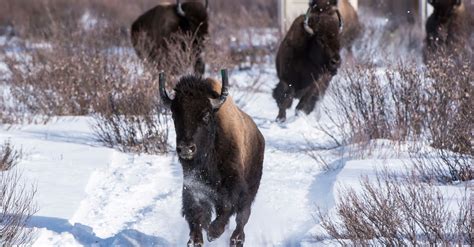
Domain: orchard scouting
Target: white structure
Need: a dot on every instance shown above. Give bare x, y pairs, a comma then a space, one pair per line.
290, 9
425, 10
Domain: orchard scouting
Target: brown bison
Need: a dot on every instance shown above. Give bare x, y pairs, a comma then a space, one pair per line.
352, 27
221, 151
308, 57
151, 30
447, 29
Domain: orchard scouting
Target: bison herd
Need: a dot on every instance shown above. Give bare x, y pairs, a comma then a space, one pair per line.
219, 146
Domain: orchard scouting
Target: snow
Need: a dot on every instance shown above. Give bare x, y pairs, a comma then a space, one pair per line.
90, 195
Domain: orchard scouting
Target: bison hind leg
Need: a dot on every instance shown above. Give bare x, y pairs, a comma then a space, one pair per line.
283, 94
238, 236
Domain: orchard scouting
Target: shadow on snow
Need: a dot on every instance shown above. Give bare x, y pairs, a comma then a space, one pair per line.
86, 236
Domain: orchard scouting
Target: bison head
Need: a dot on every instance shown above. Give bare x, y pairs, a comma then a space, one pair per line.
194, 110
193, 17
318, 9
444, 7
322, 5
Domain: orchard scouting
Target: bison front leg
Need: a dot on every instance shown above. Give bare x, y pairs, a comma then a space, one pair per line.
217, 227
313, 94
198, 215
283, 94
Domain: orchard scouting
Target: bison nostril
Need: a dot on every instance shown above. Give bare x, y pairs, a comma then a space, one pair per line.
178, 149
192, 148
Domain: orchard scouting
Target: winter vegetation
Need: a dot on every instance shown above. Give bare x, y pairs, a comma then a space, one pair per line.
16, 200
87, 145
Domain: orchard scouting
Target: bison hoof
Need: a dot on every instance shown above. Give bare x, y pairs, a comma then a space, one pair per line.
236, 243
215, 231
191, 243
280, 119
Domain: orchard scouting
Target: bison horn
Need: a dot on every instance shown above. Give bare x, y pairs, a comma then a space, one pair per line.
180, 8
307, 28
341, 21
217, 103
164, 96
207, 4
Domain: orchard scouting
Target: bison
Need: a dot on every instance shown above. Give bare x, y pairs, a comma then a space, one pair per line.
447, 29
308, 57
151, 31
352, 27
221, 151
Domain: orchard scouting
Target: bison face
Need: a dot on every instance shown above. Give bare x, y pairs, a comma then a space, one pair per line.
194, 123
444, 6
319, 16
194, 18
193, 109
323, 5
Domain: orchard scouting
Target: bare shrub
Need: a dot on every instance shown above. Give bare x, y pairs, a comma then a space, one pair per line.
371, 105
450, 113
242, 34
398, 211
442, 166
176, 58
16, 200
133, 121
405, 102
9, 157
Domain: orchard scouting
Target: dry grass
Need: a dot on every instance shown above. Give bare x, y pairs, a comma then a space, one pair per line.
398, 211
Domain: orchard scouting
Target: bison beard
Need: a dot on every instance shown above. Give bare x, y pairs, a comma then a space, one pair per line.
221, 151
307, 60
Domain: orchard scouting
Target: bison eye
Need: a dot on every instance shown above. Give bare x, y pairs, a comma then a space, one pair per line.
206, 117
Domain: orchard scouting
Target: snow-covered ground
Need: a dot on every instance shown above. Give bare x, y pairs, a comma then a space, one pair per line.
95, 196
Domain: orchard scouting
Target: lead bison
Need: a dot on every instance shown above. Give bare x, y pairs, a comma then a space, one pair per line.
308, 57
221, 151
447, 29
152, 30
